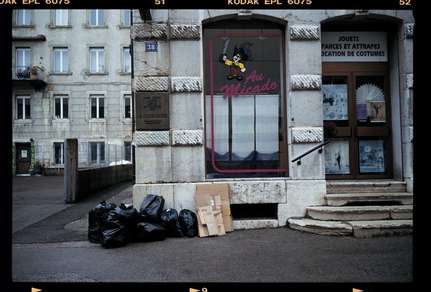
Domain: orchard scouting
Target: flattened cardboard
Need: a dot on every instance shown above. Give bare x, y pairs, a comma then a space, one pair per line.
212, 195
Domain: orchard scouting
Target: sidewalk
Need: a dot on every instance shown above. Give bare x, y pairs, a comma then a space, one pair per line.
40, 214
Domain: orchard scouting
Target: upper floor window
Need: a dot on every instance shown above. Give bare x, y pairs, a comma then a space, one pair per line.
97, 152
23, 17
61, 60
61, 17
125, 17
61, 110
22, 61
23, 107
97, 60
127, 60
96, 17
97, 106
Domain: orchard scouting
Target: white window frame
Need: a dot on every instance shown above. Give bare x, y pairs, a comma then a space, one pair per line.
61, 153
98, 19
123, 13
97, 97
98, 60
62, 97
123, 59
17, 49
128, 96
24, 14
24, 98
98, 152
62, 69
61, 11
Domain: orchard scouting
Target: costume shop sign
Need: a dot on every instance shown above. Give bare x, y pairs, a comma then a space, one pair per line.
253, 83
357, 46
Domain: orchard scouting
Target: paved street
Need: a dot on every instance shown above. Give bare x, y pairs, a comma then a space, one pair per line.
52, 246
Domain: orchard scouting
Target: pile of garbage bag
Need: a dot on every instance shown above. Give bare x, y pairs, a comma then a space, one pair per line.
115, 226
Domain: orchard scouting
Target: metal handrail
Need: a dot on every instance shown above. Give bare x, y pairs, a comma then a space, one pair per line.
318, 147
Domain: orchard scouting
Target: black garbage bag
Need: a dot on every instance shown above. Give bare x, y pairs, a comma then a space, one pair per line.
188, 222
169, 220
115, 237
151, 208
122, 217
149, 232
96, 217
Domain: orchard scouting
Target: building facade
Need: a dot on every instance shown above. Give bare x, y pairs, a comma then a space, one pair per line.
249, 97
71, 73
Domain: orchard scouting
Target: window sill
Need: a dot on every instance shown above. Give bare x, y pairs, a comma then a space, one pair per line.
97, 120
23, 26
53, 26
89, 26
125, 73
60, 120
122, 26
60, 74
23, 122
96, 73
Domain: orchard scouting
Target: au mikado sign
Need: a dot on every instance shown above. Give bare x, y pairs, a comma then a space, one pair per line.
357, 46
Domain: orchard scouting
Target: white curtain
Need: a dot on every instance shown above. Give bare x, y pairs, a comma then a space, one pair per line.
242, 126
267, 126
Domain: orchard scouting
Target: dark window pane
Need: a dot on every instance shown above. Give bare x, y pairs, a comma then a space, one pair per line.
19, 108
27, 108
94, 108
58, 108
93, 152
127, 107
58, 153
65, 108
102, 151
101, 108
127, 151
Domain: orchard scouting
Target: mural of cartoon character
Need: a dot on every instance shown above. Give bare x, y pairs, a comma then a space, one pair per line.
236, 64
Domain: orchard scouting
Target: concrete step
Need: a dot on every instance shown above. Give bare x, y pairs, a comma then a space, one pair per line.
365, 186
320, 227
360, 229
239, 224
343, 199
366, 229
359, 213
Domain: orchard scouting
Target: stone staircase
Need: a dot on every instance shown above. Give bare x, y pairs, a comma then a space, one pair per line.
361, 209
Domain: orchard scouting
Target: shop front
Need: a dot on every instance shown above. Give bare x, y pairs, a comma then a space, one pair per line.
272, 103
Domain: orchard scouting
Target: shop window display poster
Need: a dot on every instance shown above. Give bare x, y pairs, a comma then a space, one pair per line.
334, 102
337, 157
371, 156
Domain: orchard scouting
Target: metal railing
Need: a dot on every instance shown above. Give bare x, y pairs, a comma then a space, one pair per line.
318, 147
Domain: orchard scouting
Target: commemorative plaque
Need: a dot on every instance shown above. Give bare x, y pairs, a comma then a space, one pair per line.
152, 111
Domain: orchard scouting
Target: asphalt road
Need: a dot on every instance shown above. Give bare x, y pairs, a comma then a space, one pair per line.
49, 244
268, 255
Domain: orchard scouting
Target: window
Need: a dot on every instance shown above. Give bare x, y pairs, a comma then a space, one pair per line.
23, 17
127, 63
23, 107
128, 151
61, 60
127, 106
96, 17
61, 17
125, 17
97, 106
97, 60
97, 152
58, 152
22, 62
244, 99
61, 110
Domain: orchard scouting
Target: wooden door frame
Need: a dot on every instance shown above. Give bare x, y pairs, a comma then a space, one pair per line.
351, 71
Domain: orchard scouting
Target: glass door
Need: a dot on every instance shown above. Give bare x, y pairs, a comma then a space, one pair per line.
356, 120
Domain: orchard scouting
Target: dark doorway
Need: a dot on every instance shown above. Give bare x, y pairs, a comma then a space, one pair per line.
23, 158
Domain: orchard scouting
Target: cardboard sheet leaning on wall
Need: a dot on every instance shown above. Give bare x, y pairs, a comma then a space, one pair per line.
213, 209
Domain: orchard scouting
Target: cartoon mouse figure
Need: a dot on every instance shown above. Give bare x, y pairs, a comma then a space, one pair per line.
236, 65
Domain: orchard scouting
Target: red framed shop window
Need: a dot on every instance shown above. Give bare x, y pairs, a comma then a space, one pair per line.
245, 108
